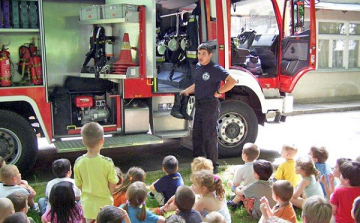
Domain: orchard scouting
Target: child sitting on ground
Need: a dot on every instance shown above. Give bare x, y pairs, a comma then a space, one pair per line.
11, 177
6, 208
212, 194
282, 192
137, 194
63, 207
286, 170
214, 217
165, 187
355, 211
244, 175
61, 169
184, 200
320, 156
134, 174
94, 174
20, 202
262, 187
309, 184
112, 214
316, 210
344, 195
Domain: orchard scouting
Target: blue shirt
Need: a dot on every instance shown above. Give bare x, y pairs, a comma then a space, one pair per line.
207, 79
134, 211
168, 184
324, 169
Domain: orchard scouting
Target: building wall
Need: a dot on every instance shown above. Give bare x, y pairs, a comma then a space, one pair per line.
330, 85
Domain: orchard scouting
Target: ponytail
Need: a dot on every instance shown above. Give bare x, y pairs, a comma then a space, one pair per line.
220, 192
142, 214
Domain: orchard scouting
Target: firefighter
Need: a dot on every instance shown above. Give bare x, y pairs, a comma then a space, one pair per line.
208, 77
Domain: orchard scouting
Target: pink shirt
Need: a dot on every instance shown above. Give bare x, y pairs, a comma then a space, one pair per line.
343, 198
78, 219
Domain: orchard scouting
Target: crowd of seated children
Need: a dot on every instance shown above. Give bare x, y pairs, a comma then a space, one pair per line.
286, 170
320, 156
134, 174
164, 188
309, 186
282, 192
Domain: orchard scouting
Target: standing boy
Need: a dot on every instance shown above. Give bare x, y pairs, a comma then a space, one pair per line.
94, 174
344, 195
286, 170
208, 77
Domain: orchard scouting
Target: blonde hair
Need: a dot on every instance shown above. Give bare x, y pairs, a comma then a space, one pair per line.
214, 217
316, 210
251, 150
7, 172
212, 182
307, 165
201, 163
136, 194
134, 174
91, 134
6, 208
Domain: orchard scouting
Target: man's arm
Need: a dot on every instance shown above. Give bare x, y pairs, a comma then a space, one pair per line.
229, 84
188, 90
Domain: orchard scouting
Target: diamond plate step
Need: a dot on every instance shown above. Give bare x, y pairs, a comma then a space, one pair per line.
110, 142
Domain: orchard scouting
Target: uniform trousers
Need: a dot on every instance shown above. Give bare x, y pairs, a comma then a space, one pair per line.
205, 128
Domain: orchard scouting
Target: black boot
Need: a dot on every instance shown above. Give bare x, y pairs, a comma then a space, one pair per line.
176, 109
184, 102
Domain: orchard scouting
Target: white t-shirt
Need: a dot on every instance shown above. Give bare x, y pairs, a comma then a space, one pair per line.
7, 190
51, 183
244, 173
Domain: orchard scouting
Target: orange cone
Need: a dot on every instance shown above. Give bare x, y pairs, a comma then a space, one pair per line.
125, 60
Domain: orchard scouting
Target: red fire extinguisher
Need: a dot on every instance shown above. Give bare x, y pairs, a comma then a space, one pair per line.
30, 63
5, 68
35, 70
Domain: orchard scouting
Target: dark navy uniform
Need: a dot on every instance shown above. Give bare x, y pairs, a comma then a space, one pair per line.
207, 109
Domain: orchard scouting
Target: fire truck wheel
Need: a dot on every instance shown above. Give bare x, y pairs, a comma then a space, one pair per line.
238, 125
18, 142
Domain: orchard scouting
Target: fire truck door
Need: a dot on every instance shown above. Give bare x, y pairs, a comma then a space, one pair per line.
298, 46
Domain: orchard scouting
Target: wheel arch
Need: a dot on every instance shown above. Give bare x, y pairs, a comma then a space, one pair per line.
25, 107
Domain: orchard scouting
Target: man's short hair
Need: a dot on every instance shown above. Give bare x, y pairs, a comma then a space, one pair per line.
205, 46
91, 134
7, 172
18, 217
350, 170
263, 168
319, 153
19, 200
170, 164
61, 167
283, 189
184, 198
251, 150
316, 210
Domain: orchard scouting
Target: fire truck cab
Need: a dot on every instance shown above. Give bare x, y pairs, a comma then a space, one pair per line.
120, 62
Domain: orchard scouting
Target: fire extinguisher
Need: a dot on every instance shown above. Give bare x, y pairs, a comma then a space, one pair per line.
30, 63
5, 68
35, 70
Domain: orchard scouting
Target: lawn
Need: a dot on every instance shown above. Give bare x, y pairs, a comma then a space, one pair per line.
239, 216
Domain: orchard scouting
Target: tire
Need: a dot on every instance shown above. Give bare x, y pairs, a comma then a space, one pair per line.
18, 141
238, 125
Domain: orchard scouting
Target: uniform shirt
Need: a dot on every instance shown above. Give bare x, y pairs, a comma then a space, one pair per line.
343, 197
207, 79
6, 190
286, 171
245, 173
191, 216
93, 175
168, 184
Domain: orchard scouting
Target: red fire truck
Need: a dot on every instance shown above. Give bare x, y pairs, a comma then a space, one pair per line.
142, 53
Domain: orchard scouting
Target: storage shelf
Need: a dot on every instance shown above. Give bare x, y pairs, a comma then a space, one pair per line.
101, 21
11, 30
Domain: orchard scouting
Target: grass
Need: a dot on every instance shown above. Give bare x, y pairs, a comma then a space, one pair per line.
239, 216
